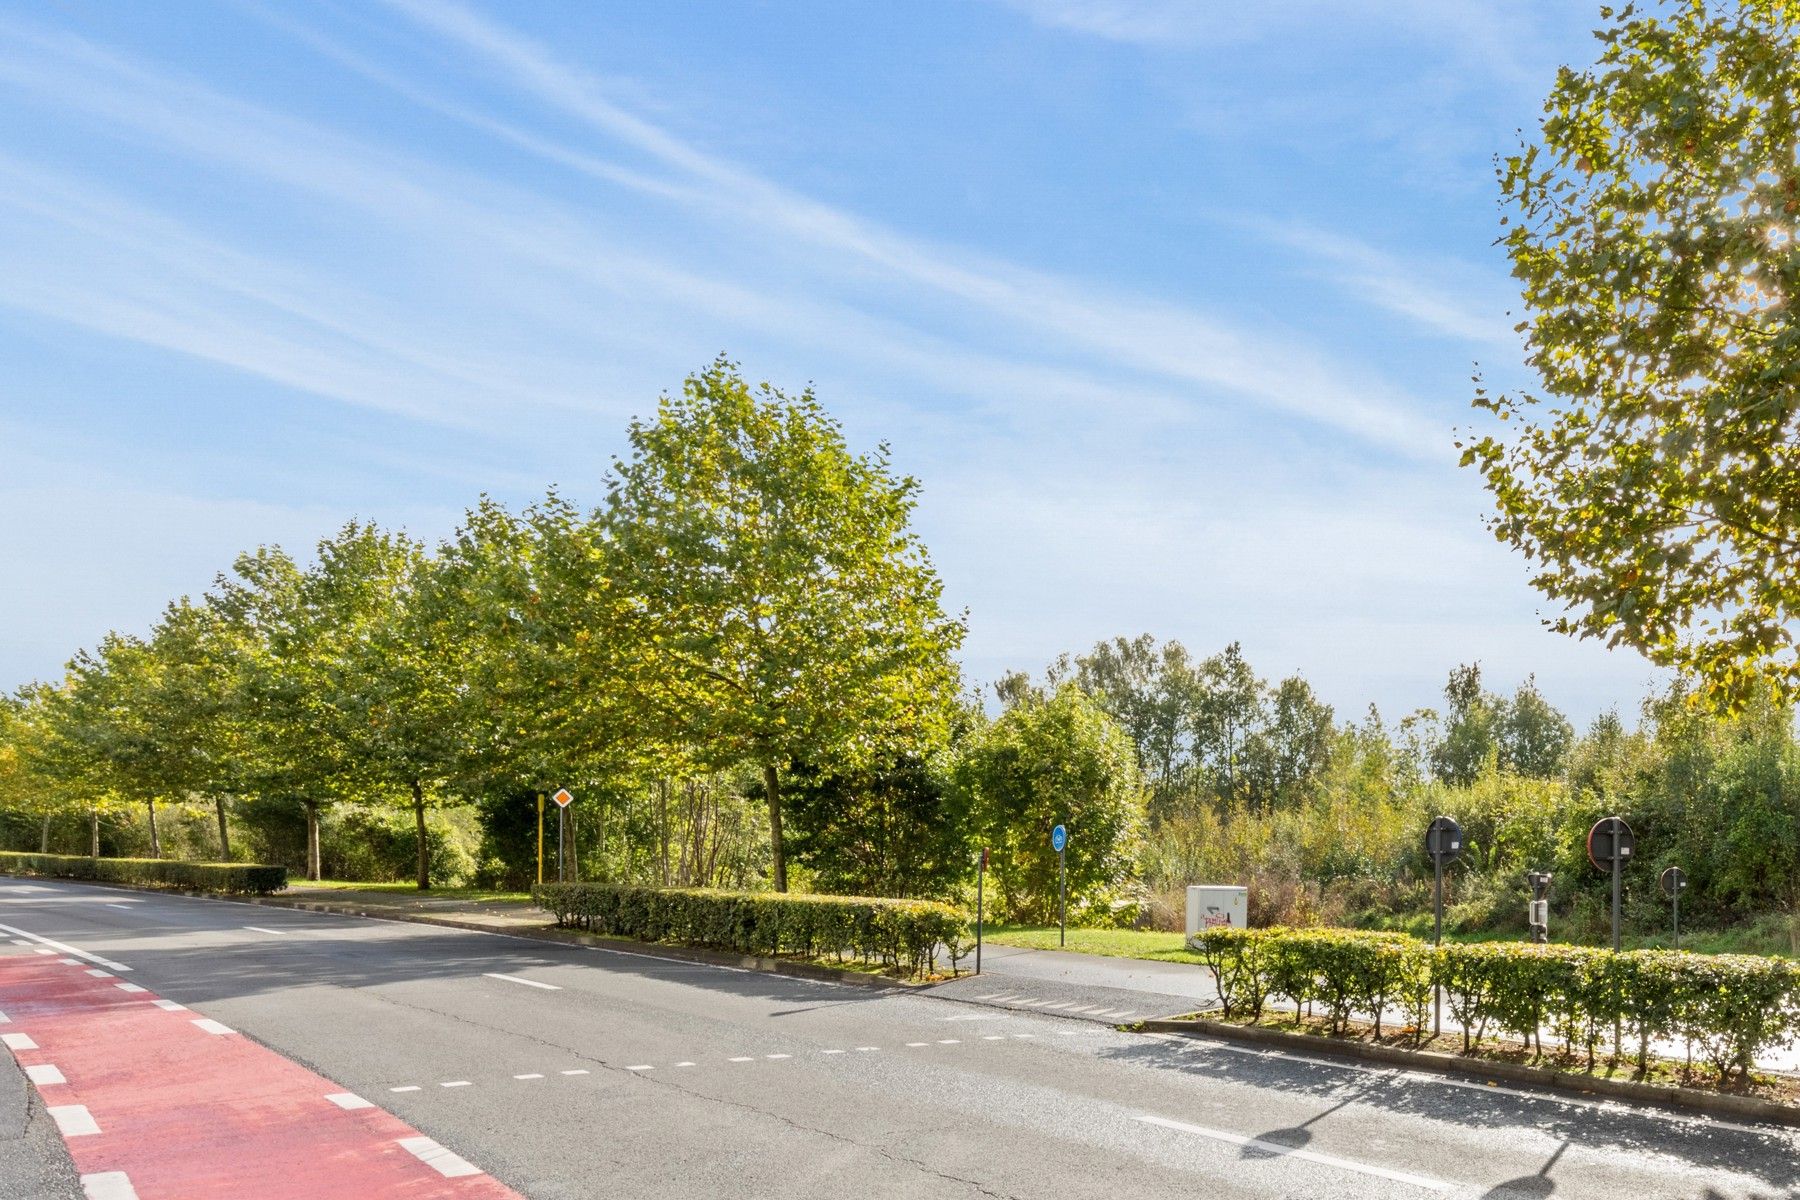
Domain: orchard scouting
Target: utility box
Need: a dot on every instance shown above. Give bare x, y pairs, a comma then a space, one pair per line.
1210, 907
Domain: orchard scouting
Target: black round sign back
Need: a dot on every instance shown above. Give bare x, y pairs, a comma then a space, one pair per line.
1672, 880
1443, 840
1610, 838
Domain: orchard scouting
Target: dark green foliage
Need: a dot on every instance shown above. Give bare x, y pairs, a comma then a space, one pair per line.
1732, 1007
894, 829
235, 878
903, 935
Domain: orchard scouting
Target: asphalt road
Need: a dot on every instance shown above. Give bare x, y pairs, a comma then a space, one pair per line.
572, 1072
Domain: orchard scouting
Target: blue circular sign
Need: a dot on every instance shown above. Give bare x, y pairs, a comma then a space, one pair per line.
1059, 837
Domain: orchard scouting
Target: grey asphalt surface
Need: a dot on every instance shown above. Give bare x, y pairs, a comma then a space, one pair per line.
648, 1077
34, 1164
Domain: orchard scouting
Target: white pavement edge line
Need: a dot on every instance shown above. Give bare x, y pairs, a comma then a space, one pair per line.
169, 1006
45, 1074
208, 1025
1277, 1150
260, 929
44, 941
17, 1041
4, 1019
444, 1162
548, 987
349, 1100
108, 1185
73, 1120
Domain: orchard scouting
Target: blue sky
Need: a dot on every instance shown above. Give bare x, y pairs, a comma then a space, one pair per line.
1172, 310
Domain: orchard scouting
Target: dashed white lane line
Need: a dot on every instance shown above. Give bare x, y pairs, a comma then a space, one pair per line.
20, 942
831, 1052
17, 1041
916, 1045
73, 1120
119, 904
169, 1006
444, 1162
98, 973
44, 945
778, 1056
455, 1083
128, 987
45, 1075
411, 1087
684, 1064
993, 1037
532, 1075
69, 962
548, 987
349, 1100
260, 929
108, 1185
741, 1058
866, 1049
949, 1041
577, 1071
1277, 1150
208, 1025
1024, 1035
641, 1067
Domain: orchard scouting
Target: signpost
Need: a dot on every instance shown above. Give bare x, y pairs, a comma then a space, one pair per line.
540, 837
1059, 839
1538, 913
1609, 846
563, 798
1443, 845
980, 881
1673, 880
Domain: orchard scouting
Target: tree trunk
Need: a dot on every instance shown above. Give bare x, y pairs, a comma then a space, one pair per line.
418, 794
155, 841
312, 839
224, 832
772, 786
44, 836
93, 833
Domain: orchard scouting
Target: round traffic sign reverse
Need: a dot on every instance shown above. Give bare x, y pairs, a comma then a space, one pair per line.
1610, 838
1059, 837
1443, 840
1672, 880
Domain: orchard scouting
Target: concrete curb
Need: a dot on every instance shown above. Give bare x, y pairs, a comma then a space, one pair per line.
1714, 1104
574, 937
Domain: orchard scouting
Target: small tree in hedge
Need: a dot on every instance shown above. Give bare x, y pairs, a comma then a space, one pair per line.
1050, 760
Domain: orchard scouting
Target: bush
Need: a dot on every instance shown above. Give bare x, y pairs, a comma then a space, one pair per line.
233, 878
903, 935
1732, 1007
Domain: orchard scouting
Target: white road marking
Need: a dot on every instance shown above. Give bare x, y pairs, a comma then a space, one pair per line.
169, 1006
20, 942
260, 929
993, 1037
409, 1088
46, 945
69, 962
533, 1075
949, 1041
128, 987
1277, 1150
17, 1041
349, 1100
548, 987
45, 1075
445, 1163
741, 1058
456, 1083
4, 1019
641, 1067
916, 1045
97, 973
108, 1185
831, 1052
73, 1120
208, 1025
976, 1017
577, 1071
684, 1064
778, 1056
119, 904
865, 1049
1024, 1035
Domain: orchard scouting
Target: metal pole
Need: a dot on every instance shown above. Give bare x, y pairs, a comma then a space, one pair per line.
1437, 994
1062, 901
980, 881
1677, 898
1615, 881
540, 837
562, 821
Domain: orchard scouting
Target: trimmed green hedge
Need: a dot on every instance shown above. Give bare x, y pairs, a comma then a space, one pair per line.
903, 935
252, 878
1730, 1007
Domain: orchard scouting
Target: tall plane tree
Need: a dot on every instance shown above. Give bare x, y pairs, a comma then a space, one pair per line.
794, 613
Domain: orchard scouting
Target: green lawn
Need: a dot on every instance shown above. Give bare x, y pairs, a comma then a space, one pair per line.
408, 889
1114, 943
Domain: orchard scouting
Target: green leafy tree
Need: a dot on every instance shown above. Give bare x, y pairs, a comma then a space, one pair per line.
795, 615
893, 828
1656, 480
1151, 691
1468, 741
1533, 737
1056, 759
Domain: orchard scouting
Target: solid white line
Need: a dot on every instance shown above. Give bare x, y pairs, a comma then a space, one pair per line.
208, 1025
349, 1100
169, 1006
533, 1075
108, 1185
50, 946
17, 1041
260, 929
73, 1120
128, 987
449, 1165
548, 987
1277, 1150
45, 1075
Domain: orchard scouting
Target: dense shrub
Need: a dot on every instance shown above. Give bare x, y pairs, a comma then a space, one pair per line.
250, 878
905, 935
1730, 1007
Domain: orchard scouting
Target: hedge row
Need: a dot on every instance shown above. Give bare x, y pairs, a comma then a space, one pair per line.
903, 935
252, 878
1729, 1007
